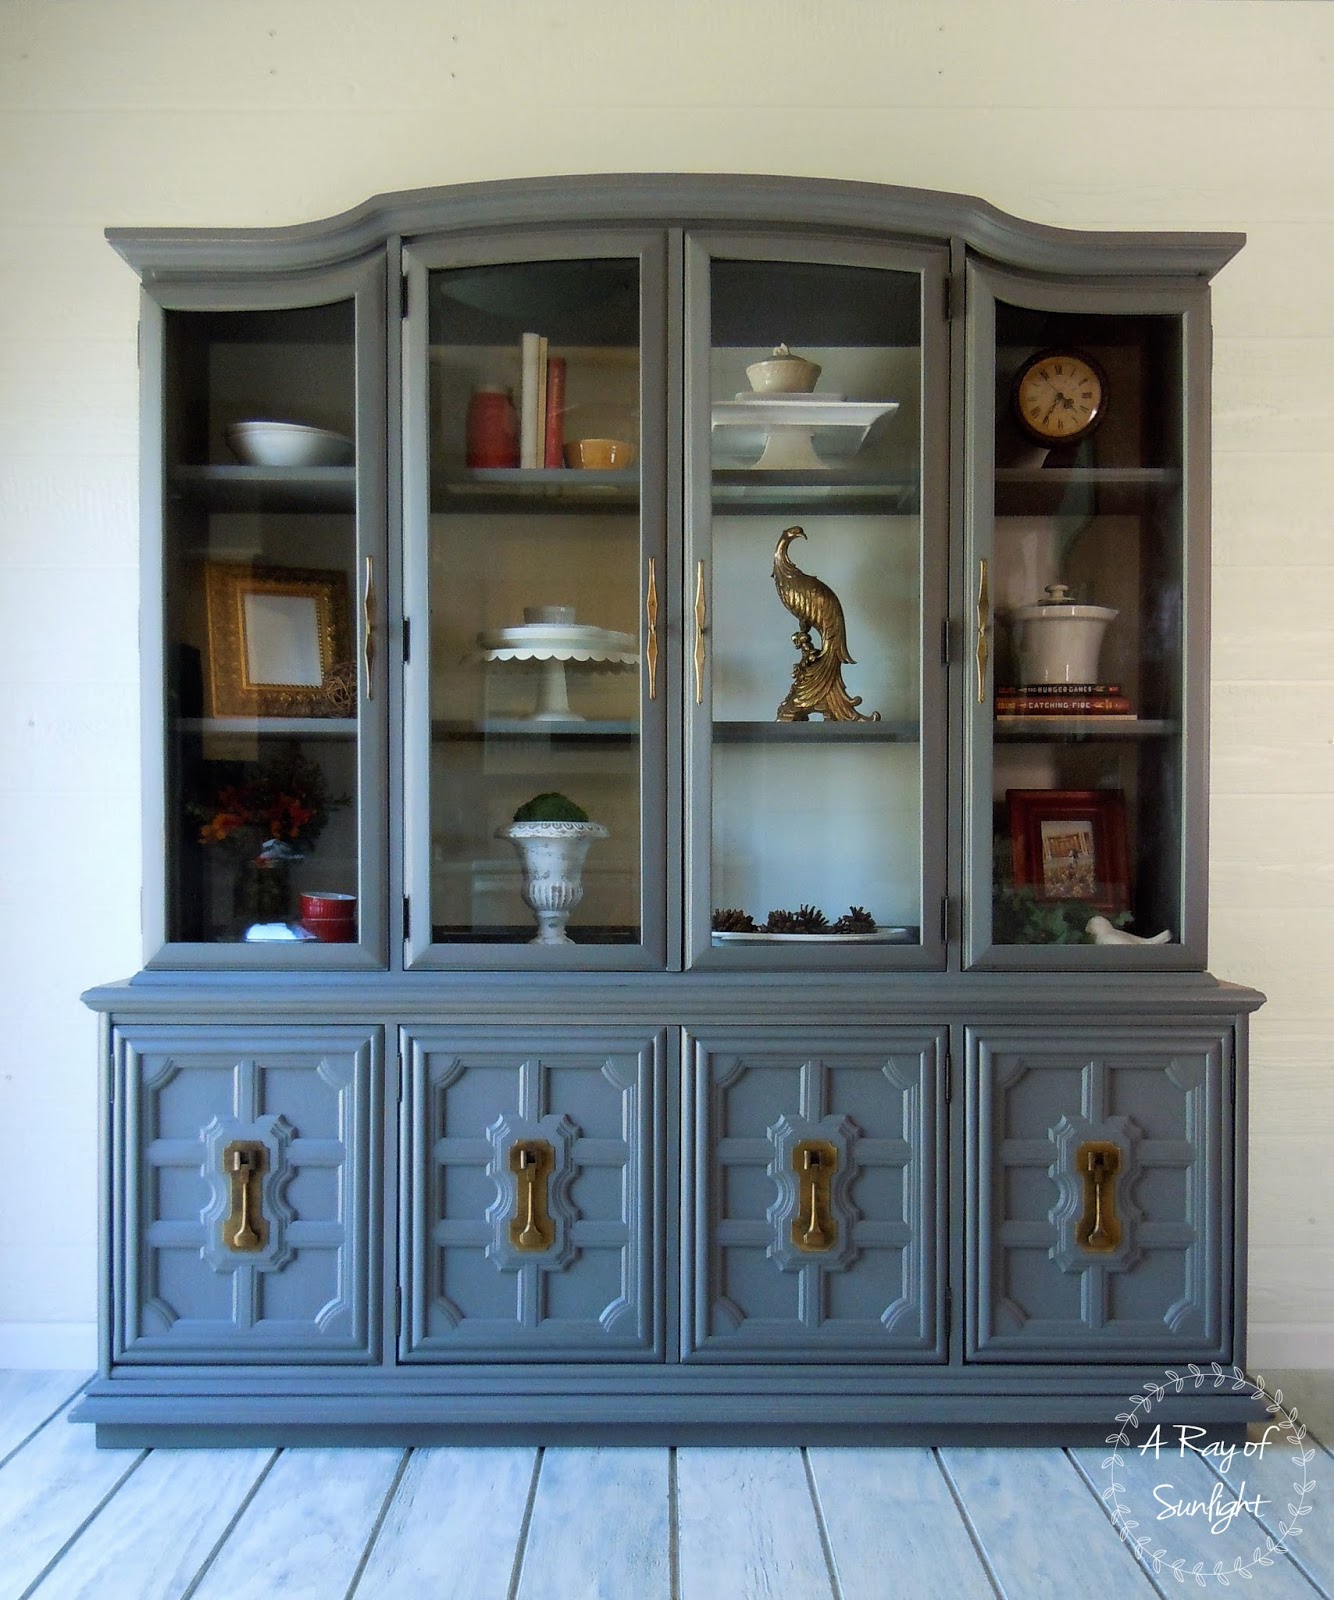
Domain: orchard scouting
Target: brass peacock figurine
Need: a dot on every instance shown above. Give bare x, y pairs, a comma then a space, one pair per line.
817, 679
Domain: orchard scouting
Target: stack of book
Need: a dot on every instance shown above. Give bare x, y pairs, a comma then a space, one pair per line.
1062, 700
541, 405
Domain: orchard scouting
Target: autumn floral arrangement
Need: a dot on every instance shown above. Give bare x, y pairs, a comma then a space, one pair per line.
286, 800
266, 815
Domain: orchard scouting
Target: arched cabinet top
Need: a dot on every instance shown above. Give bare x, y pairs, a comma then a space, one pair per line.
675, 200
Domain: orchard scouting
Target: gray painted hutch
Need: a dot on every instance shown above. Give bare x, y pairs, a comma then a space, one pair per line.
819, 1113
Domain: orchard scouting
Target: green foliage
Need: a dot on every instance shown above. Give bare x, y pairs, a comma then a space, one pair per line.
550, 807
1018, 916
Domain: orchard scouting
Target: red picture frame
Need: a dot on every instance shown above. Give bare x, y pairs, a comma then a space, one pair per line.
1070, 844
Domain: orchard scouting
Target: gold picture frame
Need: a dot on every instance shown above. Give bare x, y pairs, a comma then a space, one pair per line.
278, 642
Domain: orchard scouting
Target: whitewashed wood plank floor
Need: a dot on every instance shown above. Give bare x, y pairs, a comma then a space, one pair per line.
572, 1524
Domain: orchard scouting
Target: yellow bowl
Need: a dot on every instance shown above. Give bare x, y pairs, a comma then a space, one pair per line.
599, 455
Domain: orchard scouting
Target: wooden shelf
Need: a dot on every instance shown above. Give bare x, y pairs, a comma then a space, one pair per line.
840, 491
1082, 491
534, 489
272, 727
287, 489
529, 728
1064, 730
816, 733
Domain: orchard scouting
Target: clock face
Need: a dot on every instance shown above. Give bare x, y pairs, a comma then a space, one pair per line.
1060, 396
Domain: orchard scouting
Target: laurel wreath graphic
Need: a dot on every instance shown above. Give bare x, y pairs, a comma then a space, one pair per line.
1263, 1555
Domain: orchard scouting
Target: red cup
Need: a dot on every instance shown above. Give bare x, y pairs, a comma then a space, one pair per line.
332, 918
492, 429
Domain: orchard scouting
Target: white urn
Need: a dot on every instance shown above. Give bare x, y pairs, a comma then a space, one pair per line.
552, 854
1059, 640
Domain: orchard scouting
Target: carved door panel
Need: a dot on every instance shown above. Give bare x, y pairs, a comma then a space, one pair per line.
531, 1215
249, 1227
814, 1223
1100, 1194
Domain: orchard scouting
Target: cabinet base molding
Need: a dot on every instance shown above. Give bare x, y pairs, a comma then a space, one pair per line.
955, 1412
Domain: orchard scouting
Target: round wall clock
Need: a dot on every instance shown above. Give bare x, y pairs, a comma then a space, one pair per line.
1059, 396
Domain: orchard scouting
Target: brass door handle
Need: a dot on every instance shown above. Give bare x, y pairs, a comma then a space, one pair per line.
983, 630
531, 1228
368, 625
1099, 1228
245, 1162
815, 1162
651, 647
701, 617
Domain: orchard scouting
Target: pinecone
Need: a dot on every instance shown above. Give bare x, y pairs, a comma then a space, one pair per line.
733, 921
807, 919
857, 919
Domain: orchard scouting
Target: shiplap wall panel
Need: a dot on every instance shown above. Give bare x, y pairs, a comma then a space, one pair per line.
274, 111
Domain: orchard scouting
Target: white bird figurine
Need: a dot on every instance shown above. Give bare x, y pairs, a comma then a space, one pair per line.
1102, 932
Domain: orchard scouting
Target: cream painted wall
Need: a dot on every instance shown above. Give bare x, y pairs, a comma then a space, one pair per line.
1140, 113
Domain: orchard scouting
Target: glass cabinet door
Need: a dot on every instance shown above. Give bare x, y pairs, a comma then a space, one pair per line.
815, 601
1089, 692
264, 449
536, 602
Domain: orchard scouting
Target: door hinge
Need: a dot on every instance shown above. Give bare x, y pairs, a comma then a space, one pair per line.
953, 300
403, 296
407, 640
945, 919
398, 1309
944, 641
949, 1077
949, 1307
407, 918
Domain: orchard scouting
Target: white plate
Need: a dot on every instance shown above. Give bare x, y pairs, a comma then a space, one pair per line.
555, 636
885, 935
749, 395
800, 411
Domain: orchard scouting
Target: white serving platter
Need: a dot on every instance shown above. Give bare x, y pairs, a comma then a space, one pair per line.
883, 935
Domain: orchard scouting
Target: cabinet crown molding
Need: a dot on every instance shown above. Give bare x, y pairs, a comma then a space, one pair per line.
684, 199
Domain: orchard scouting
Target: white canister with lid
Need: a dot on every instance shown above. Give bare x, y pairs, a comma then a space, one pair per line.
1059, 641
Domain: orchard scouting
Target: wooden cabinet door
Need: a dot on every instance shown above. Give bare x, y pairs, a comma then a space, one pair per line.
1099, 1216
248, 1227
531, 1220
813, 1212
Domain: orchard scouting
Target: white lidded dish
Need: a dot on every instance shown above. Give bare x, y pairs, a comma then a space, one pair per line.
1059, 640
259, 443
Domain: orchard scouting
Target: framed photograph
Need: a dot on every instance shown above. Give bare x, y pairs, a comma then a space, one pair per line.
278, 642
1070, 844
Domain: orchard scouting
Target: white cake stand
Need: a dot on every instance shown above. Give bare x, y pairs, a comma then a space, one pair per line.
555, 646
788, 424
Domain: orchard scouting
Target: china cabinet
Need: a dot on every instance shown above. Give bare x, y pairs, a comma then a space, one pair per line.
675, 827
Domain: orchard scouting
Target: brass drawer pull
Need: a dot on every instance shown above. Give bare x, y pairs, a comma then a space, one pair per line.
245, 1161
1099, 1230
531, 1228
368, 626
651, 648
701, 617
983, 629
815, 1162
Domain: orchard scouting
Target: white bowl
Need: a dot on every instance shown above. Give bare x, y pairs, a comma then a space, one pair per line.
783, 373
287, 444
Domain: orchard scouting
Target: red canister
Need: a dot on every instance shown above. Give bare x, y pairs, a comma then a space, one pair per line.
332, 918
493, 429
